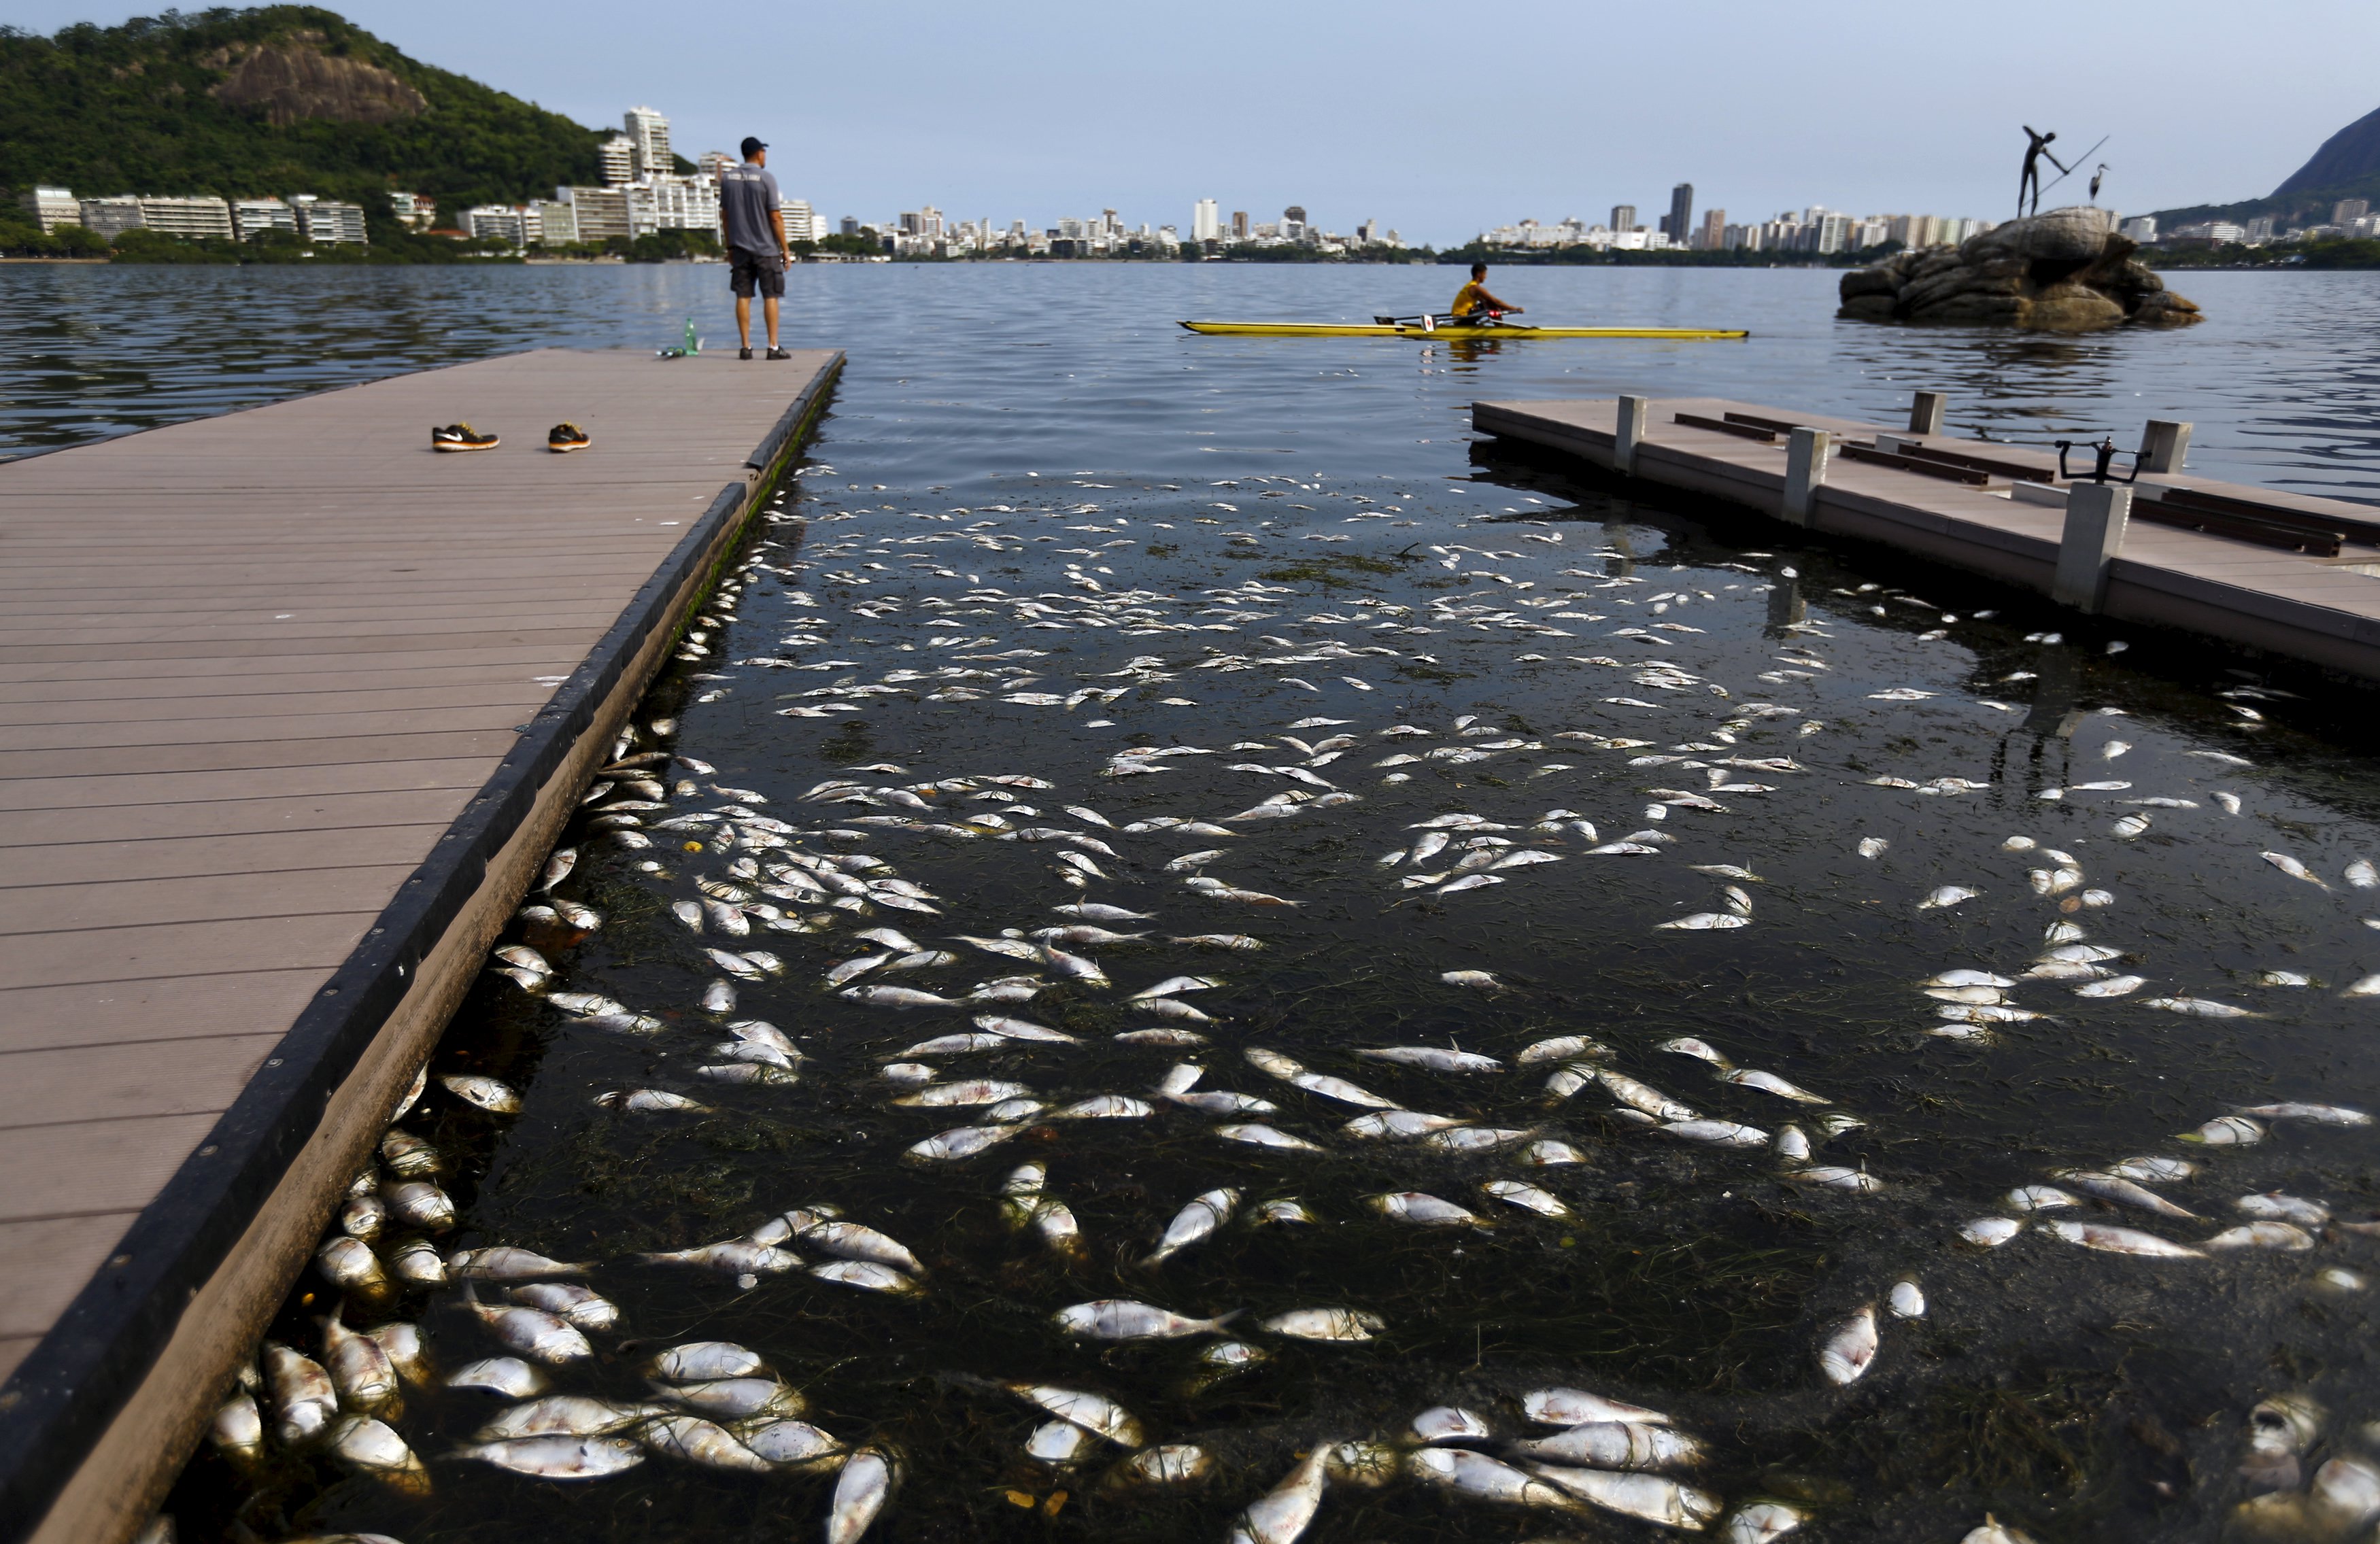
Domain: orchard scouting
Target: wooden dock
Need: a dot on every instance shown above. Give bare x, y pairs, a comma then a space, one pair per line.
2012, 518
291, 709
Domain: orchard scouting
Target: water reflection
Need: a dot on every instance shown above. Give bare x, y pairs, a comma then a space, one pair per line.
1266, 531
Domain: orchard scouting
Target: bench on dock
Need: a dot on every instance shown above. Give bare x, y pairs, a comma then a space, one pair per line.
1721, 426
2245, 520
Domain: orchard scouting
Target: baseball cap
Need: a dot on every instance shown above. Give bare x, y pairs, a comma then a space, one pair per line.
751, 144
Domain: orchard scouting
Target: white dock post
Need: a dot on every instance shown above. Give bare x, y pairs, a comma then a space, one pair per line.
1630, 434
1806, 453
2097, 514
2165, 444
1925, 412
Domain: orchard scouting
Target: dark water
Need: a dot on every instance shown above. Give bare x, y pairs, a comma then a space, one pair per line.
1018, 447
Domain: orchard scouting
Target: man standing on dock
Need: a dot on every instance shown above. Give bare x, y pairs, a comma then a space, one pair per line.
754, 216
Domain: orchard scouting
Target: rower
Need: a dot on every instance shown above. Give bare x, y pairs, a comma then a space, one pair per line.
1474, 306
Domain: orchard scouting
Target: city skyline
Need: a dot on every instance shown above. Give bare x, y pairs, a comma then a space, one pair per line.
1876, 108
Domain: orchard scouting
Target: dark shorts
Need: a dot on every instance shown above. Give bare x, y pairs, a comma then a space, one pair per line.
745, 270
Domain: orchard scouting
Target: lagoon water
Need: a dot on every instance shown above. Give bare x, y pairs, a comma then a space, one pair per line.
1031, 485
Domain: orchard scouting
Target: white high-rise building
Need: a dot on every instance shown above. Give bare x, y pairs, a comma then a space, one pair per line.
495, 221
801, 223
327, 220
111, 217
618, 157
253, 217
52, 207
1205, 221
189, 217
648, 137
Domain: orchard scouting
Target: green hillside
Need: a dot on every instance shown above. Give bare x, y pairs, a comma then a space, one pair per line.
264, 102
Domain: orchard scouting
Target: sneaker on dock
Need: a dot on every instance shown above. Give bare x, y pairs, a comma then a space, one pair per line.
779, 354
462, 436
567, 437
744, 352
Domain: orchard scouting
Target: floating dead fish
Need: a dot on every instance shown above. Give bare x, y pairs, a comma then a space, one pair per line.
1325, 1324
2118, 1241
1850, 1350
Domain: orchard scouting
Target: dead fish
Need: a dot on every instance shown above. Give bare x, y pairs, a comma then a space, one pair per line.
304, 1400
1261, 1135
1908, 1301
361, 1371
1850, 1350
1760, 1521
649, 1100
964, 1142
2123, 1191
2118, 1241
1725, 1134
1281, 1514
1412, 1205
2294, 869
898, 997
508, 1376
373, 1448
1654, 1497
558, 1457
1476, 1474
1564, 1048
2198, 1007
2156, 1170
736, 1257
1704, 921
868, 1275
1578, 1407
790, 1444
1481, 980
2226, 1131
705, 1361
2262, 1235
1326, 1324
557, 868
564, 1415
238, 1431
1195, 1222
2321, 1114
1990, 1233
1432, 1058
1526, 1197
737, 1398
1770, 1083
1614, 1445
1837, 1177
1642, 1097
857, 1241
1947, 896
1121, 1320
2041, 1198
1093, 1413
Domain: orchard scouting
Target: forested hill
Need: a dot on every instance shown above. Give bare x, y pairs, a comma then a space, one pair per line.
264, 102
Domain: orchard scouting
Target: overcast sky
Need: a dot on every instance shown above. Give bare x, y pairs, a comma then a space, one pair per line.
1438, 120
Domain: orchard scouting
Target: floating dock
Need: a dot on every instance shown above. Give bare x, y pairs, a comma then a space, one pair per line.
291, 710
2293, 576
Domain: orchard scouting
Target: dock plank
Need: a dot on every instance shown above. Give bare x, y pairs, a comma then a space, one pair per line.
2312, 609
253, 669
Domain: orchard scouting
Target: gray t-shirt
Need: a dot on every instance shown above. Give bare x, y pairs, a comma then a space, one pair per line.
747, 196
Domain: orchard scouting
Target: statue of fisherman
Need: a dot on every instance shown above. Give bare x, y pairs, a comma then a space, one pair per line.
2030, 181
